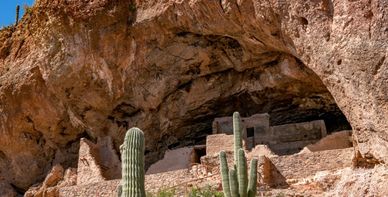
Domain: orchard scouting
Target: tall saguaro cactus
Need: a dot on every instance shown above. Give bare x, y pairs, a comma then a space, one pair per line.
234, 181
237, 133
132, 158
17, 14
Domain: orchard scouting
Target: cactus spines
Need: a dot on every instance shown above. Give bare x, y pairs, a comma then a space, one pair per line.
233, 183
225, 174
132, 158
252, 179
17, 14
242, 173
237, 178
237, 132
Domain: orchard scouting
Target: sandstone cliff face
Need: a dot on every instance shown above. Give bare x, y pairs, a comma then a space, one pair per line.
75, 69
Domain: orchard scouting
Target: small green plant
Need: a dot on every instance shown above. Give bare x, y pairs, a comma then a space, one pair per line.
132, 7
235, 181
204, 192
162, 193
166, 193
132, 158
27, 9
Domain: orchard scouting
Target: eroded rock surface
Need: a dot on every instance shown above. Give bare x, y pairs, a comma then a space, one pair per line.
73, 69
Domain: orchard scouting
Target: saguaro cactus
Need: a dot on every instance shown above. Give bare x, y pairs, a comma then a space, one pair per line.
17, 14
252, 179
236, 184
132, 158
237, 132
225, 174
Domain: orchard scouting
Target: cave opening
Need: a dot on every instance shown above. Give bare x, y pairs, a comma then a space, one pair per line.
276, 83
288, 110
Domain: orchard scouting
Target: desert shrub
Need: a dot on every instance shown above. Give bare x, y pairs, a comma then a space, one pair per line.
162, 193
204, 192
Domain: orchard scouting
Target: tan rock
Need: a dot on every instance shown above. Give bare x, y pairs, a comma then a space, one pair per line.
361, 182
55, 175
260, 150
52, 192
49, 187
69, 178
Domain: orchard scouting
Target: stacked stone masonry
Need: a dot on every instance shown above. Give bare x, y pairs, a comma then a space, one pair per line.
282, 139
303, 165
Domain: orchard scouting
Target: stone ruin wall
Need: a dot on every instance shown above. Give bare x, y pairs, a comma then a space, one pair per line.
282, 139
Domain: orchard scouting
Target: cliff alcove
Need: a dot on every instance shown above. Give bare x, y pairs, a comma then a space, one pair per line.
274, 83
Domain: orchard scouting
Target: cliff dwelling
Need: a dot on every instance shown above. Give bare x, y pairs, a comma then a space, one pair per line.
281, 139
259, 139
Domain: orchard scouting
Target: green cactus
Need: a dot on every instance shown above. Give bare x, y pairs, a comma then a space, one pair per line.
132, 157
225, 174
235, 182
242, 173
17, 14
252, 189
237, 132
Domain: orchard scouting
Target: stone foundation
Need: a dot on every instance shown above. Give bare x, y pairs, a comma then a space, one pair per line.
282, 139
304, 165
220, 142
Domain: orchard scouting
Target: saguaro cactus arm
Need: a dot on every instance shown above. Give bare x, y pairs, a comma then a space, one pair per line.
225, 174
233, 183
252, 185
242, 173
237, 132
17, 14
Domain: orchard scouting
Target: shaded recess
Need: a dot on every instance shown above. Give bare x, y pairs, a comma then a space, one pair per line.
267, 82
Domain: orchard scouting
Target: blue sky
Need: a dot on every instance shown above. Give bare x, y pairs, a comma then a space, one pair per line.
8, 10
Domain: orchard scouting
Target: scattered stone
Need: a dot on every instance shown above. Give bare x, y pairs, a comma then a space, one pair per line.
49, 187
55, 175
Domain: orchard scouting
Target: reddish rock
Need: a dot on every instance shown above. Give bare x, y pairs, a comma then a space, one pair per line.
55, 175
